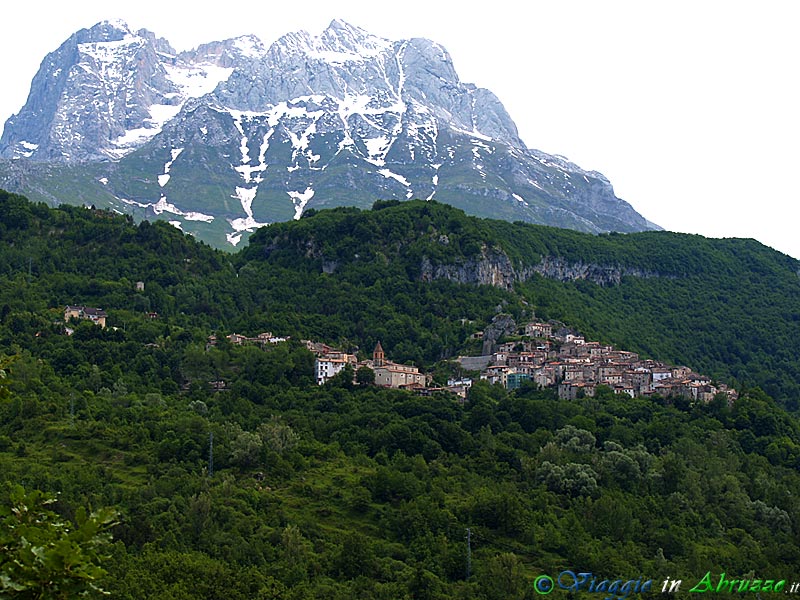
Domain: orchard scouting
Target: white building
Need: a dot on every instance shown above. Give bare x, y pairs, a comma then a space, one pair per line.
328, 365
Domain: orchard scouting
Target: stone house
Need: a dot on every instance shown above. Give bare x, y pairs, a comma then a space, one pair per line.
572, 390
539, 330
95, 315
394, 375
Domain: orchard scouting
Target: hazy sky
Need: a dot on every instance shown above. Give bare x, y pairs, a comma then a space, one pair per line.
690, 108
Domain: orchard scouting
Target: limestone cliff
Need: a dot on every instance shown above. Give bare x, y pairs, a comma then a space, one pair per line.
494, 267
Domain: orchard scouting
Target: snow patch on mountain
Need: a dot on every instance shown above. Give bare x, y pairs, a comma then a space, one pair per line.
364, 109
30, 148
248, 223
399, 178
163, 179
245, 169
377, 149
163, 206
300, 200
474, 134
197, 80
300, 141
249, 46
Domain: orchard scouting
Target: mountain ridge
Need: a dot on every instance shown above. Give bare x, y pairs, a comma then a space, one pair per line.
232, 135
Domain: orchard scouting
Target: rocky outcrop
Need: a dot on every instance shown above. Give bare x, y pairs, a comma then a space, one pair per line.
493, 267
554, 267
502, 325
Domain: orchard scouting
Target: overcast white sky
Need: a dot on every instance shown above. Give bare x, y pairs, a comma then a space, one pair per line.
689, 107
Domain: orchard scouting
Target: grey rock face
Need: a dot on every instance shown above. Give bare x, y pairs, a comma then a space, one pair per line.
494, 267
99, 84
233, 135
501, 326
605, 275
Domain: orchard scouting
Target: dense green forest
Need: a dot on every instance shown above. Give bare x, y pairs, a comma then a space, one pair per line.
278, 488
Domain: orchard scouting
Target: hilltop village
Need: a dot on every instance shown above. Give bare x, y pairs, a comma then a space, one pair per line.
548, 356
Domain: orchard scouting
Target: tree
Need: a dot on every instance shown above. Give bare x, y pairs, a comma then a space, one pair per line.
245, 449
355, 556
365, 376
503, 577
277, 435
344, 378
44, 556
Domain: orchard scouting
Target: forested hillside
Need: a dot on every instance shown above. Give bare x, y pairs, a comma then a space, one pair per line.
273, 487
729, 308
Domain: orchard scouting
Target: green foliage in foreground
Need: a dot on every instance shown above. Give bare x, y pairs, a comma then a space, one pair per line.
44, 556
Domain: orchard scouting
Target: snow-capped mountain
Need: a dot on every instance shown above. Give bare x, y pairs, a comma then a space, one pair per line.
234, 135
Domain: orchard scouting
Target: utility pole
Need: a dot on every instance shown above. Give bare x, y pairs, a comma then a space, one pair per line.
211, 454
469, 552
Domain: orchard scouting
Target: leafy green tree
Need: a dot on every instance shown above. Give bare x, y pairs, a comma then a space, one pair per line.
245, 449
43, 556
343, 378
365, 376
355, 556
503, 578
573, 479
277, 435
574, 439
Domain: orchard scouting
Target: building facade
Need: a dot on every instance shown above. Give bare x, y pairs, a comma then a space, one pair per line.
95, 315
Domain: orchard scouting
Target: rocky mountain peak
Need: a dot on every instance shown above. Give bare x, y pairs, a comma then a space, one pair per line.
111, 30
231, 53
342, 37
232, 135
